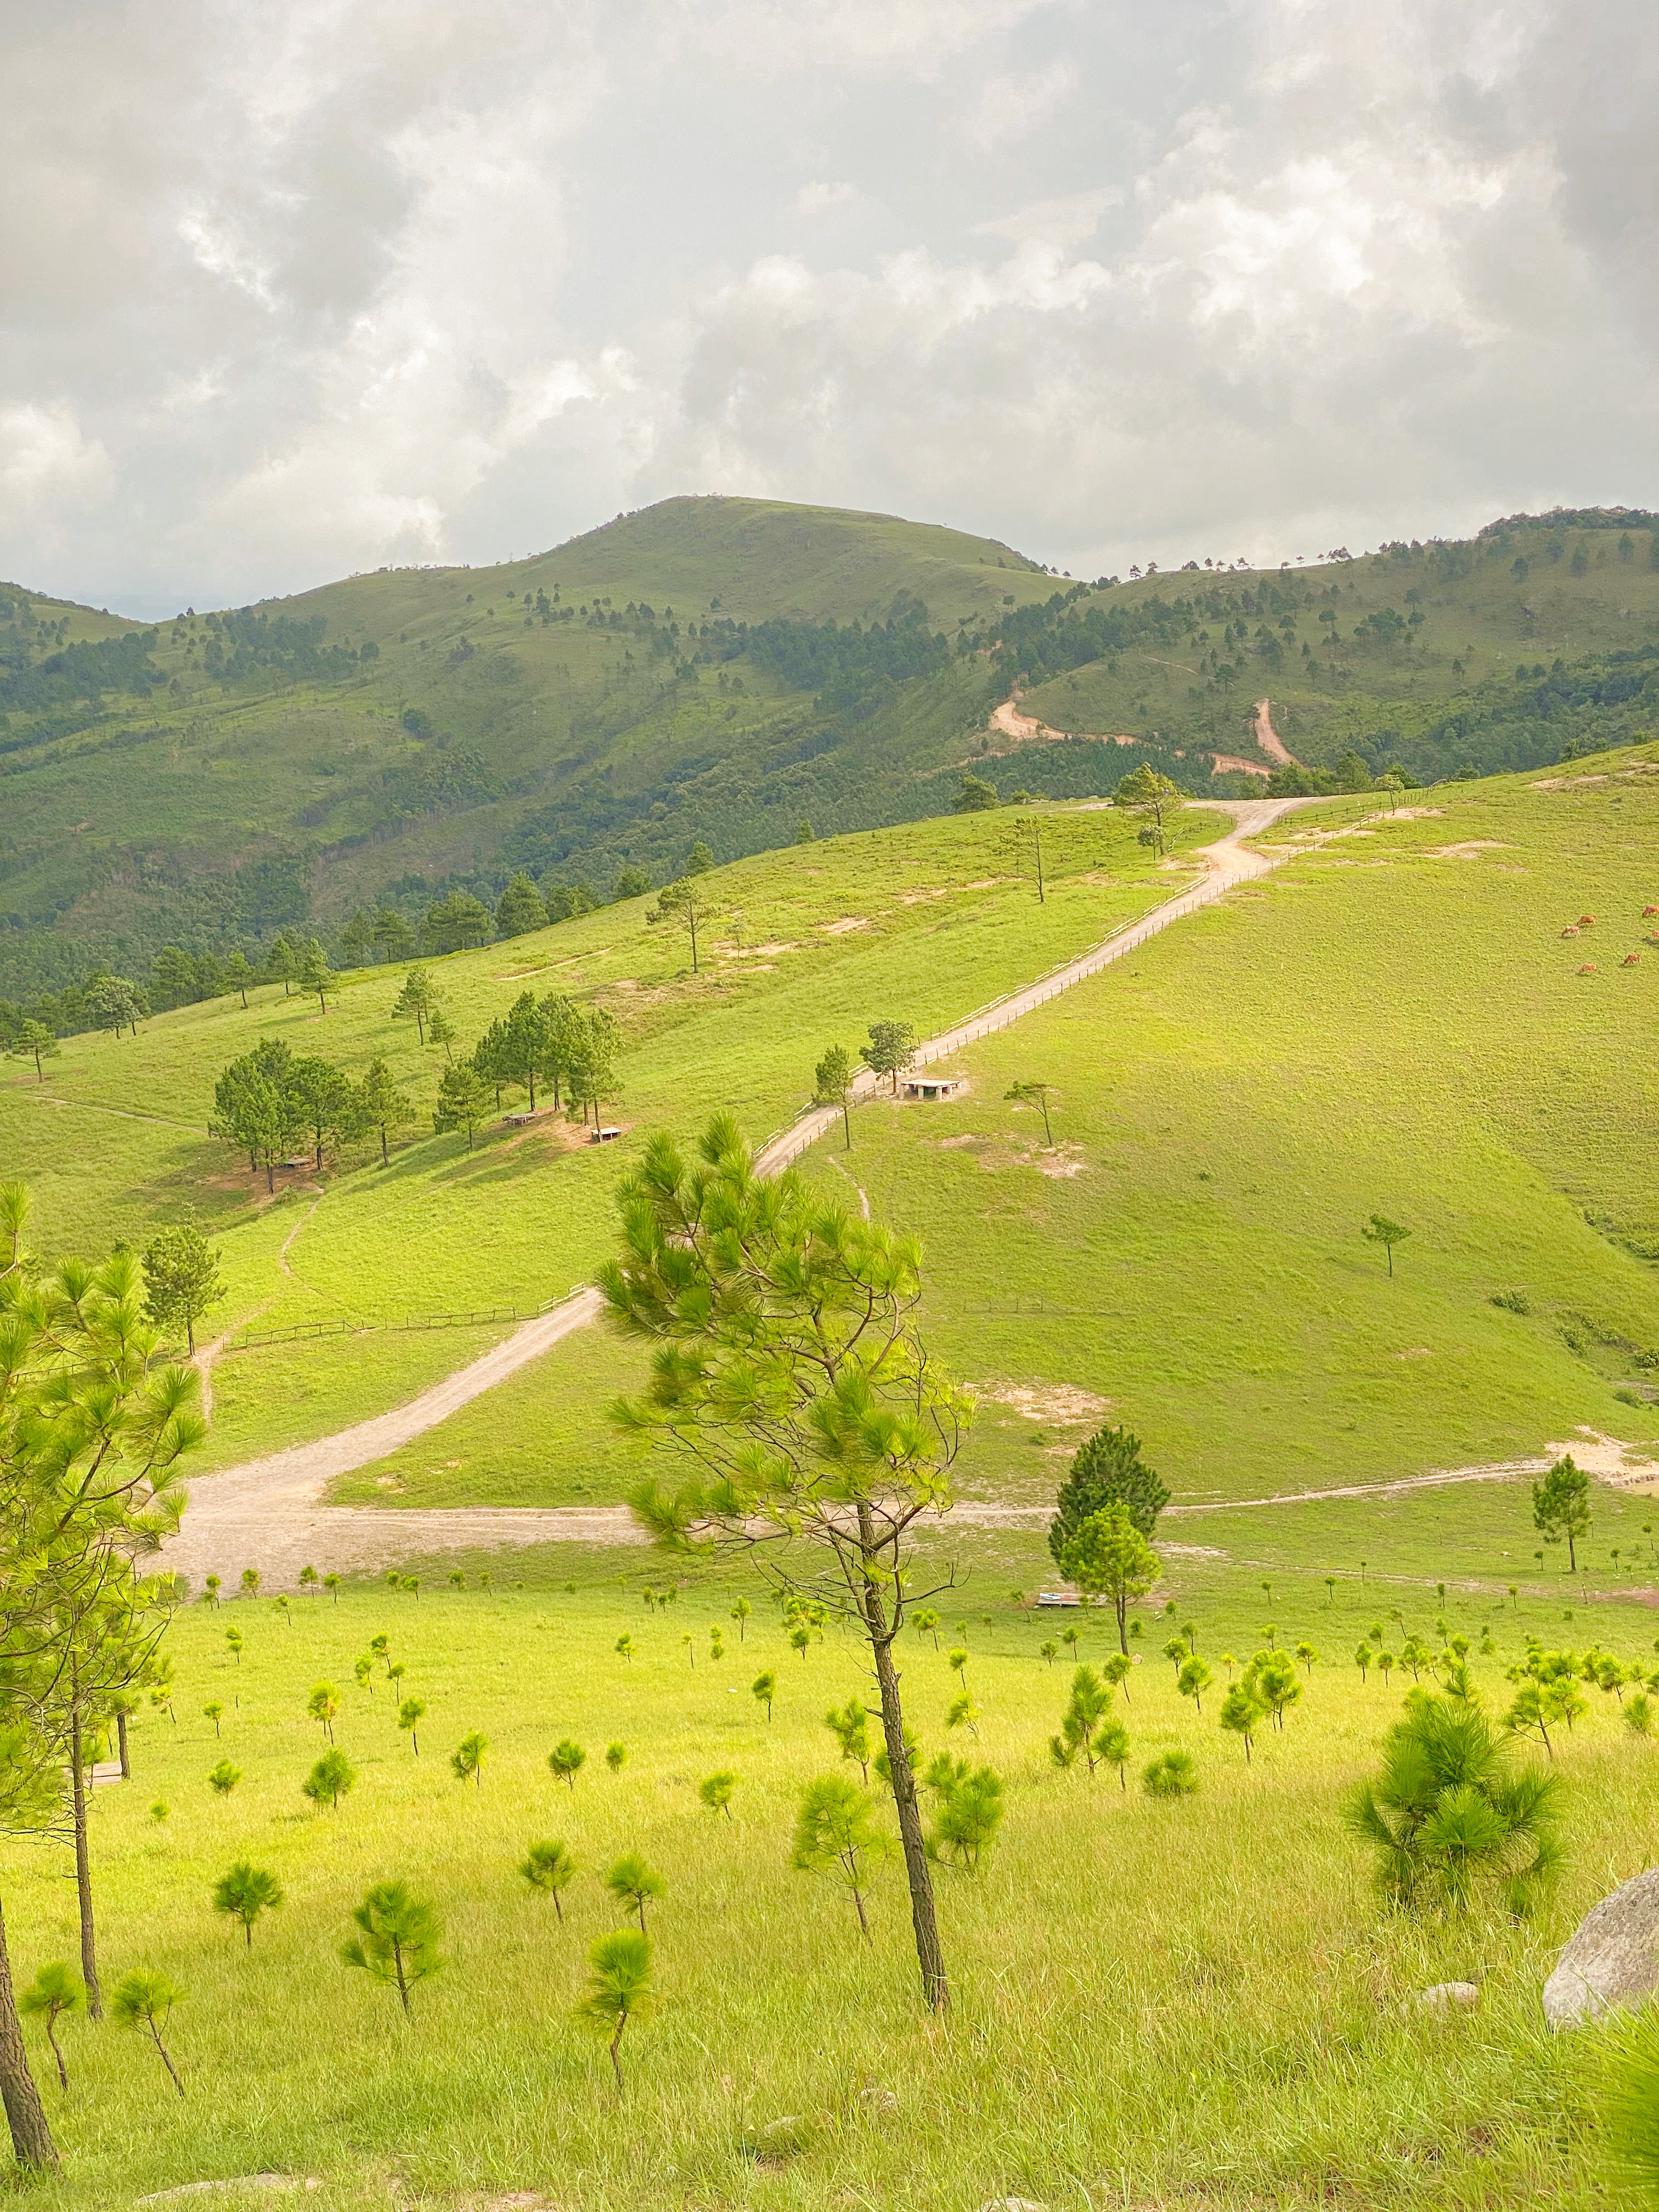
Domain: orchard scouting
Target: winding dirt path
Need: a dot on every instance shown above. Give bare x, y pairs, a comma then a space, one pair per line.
269, 1512
1268, 737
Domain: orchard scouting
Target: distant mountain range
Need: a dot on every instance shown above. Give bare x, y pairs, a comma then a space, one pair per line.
722, 670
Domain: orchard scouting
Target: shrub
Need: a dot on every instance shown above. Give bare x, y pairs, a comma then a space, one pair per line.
1172, 1775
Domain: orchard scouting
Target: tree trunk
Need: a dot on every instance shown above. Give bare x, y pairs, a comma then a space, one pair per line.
532, 1089
121, 1739
31, 2137
930, 1956
384, 1161
1121, 1602
83, 1870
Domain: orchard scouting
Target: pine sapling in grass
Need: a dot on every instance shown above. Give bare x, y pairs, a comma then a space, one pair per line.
625, 1647
1048, 1647
1175, 1652
245, 1894
332, 1585
550, 1867
144, 2001
1639, 1715
234, 1638
963, 1712
1362, 1659
1193, 1681
630, 1881
1091, 1701
850, 1726
957, 1662
715, 1791
565, 1761
740, 1613
1071, 1639
763, 1689
329, 1780
1112, 1749
224, 1777
835, 1828
399, 1938
1116, 1671
1308, 1658
55, 1993
466, 1764
1243, 1714
214, 1712
799, 1639
619, 1987
411, 1714
615, 1756
1172, 1775
969, 1816
323, 1705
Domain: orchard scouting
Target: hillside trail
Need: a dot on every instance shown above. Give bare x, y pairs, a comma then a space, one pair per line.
269, 1513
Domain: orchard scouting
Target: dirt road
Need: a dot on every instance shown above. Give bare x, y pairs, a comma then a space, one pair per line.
268, 1513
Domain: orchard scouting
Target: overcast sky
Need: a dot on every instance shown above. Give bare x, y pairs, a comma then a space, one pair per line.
295, 290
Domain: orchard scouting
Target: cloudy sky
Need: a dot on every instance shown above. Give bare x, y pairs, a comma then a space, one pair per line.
291, 290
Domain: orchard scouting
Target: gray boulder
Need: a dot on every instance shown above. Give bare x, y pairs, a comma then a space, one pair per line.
1612, 1958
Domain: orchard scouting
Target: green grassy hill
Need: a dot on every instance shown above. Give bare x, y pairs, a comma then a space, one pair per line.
693, 671
1393, 1023
926, 922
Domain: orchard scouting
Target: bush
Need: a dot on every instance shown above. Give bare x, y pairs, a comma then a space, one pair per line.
1172, 1775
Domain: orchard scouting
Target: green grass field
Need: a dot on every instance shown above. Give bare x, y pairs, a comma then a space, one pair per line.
1199, 2003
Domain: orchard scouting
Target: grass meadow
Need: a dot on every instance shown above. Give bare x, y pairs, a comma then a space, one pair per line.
1392, 1024
1199, 2003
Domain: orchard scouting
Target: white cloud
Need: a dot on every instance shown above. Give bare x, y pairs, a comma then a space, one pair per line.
818, 198
377, 282
47, 464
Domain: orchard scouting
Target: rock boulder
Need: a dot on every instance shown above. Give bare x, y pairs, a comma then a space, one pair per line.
1612, 1958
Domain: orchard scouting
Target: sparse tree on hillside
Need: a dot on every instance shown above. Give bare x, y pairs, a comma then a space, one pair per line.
393, 938
455, 923
763, 1689
975, 796
411, 1714
239, 975
550, 1867
314, 972
1109, 1557
416, 999
835, 1827
245, 1894
55, 1993
146, 2001
1153, 797
328, 1101
890, 1050
791, 1384
1561, 1507
716, 1791
566, 1761
630, 1881
35, 1041
832, 1084
115, 1004
463, 1100
466, 1765
850, 1726
382, 1105
522, 909
687, 903
1242, 1713
619, 1987
631, 883
1037, 1095
1107, 1470
1379, 1230
329, 1780
357, 941
399, 1938
592, 1071
699, 860
181, 1277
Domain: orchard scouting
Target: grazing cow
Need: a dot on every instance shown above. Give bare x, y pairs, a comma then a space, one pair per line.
1571, 930
1587, 968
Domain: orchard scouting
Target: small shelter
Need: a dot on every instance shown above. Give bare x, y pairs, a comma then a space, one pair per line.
932, 1086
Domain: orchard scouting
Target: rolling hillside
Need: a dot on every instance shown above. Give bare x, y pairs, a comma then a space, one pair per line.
717, 671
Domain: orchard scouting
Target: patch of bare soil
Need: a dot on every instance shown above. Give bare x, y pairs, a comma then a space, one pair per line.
1065, 1160
847, 921
1467, 849
1268, 737
1062, 1403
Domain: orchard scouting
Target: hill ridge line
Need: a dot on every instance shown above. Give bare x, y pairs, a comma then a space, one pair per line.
270, 1509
